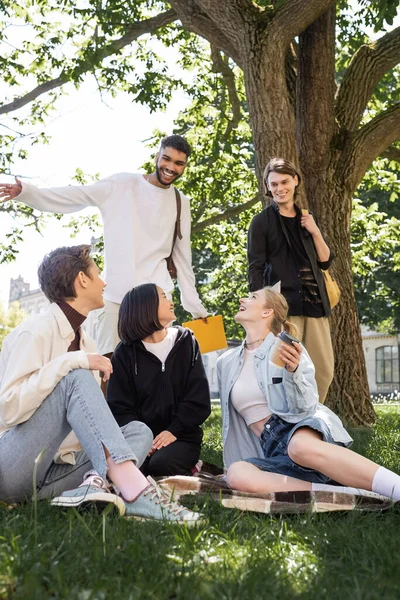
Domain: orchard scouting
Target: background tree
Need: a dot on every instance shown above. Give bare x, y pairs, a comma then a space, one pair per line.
10, 318
326, 111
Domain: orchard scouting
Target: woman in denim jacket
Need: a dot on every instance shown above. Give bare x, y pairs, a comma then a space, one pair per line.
277, 436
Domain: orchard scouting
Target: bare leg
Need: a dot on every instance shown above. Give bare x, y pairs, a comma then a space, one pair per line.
246, 477
126, 476
341, 464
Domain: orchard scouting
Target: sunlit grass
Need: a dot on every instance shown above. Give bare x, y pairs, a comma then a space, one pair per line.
235, 556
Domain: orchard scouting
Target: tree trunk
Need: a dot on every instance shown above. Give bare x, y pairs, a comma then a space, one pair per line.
349, 393
306, 137
271, 113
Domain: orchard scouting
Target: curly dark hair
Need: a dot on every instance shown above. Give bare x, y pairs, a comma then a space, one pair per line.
59, 268
178, 143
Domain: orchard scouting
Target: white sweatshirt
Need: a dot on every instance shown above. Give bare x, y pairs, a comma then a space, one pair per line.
139, 222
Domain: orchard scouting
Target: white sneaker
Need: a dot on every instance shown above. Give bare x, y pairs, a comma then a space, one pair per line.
94, 491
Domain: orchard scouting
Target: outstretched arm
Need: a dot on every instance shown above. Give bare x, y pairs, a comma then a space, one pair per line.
9, 191
59, 199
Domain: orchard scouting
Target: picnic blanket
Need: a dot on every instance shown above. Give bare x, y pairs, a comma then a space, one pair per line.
331, 498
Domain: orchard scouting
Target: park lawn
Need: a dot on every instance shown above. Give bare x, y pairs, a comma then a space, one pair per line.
352, 555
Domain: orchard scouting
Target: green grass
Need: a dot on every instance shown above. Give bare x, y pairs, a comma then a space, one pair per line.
244, 556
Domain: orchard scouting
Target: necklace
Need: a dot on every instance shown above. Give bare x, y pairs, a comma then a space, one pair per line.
252, 343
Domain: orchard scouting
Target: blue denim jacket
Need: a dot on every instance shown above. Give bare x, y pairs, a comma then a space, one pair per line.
291, 396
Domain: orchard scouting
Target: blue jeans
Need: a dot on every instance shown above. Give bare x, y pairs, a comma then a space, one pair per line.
275, 439
78, 404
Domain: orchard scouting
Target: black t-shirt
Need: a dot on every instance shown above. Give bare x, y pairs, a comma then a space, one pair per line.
310, 296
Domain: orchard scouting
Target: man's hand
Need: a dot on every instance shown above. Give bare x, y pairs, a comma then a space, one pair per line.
9, 191
97, 362
290, 355
165, 438
307, 221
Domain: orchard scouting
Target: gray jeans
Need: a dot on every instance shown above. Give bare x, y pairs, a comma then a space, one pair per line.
76, 403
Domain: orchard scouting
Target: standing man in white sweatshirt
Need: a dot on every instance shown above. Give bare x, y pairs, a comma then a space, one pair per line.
139, 214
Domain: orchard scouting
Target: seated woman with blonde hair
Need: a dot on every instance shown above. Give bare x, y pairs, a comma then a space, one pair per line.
277, 436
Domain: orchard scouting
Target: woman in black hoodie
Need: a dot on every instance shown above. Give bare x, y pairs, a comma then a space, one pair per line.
158, 378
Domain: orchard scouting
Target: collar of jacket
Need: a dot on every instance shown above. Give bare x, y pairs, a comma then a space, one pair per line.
183, 333
276, 208
64, 325
263, 348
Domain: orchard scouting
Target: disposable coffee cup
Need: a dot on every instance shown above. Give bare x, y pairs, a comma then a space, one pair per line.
282, 338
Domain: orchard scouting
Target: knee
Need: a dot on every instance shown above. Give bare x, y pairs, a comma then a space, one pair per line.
237, 476
301, 451
79, 375
136, 430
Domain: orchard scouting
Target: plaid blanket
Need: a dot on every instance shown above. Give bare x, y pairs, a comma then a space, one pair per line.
330, 499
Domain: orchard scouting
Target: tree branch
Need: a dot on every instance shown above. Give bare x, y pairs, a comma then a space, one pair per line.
220, 65
133, 32
371, 141
367, 67
227, 214
221, 23
293, 18
392, 153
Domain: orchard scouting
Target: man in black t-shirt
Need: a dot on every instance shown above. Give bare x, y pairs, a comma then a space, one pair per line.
287, 246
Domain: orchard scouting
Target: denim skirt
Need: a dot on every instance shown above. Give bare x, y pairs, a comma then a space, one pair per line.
274, 442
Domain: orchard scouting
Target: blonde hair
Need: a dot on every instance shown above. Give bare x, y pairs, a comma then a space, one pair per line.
280, 307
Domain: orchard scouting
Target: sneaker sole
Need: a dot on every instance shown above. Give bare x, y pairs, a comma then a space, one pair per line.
99, 501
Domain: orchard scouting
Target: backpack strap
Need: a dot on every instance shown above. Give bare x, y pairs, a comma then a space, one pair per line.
177, 230
178, 215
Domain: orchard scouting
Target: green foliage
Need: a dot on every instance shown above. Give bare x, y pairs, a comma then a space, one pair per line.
68, 40
375, 229
10, 318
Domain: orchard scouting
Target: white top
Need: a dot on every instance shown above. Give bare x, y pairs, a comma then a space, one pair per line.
139, 222
33, 359
246, 395
163, 348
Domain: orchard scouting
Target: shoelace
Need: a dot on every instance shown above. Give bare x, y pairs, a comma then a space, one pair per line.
95, 480
158, 494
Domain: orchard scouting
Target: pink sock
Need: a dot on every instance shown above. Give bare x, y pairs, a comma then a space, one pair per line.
127, 477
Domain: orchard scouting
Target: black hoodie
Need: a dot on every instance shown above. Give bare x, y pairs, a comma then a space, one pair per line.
172, 396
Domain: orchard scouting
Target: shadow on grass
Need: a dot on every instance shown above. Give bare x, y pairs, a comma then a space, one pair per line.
239, 555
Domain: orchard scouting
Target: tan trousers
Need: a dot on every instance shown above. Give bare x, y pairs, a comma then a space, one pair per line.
315, 335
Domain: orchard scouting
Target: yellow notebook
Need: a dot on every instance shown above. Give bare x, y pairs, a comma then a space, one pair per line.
211, 335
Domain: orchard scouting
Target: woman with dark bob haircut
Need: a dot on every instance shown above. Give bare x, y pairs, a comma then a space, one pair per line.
159, 379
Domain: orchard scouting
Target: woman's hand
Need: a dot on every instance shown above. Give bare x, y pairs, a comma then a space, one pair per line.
290, 355
165, 438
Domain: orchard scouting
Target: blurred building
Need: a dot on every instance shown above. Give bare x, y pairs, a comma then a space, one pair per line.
381, 352
31, 301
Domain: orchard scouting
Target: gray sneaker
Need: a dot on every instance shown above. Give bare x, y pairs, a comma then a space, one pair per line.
94, 491
154, 504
